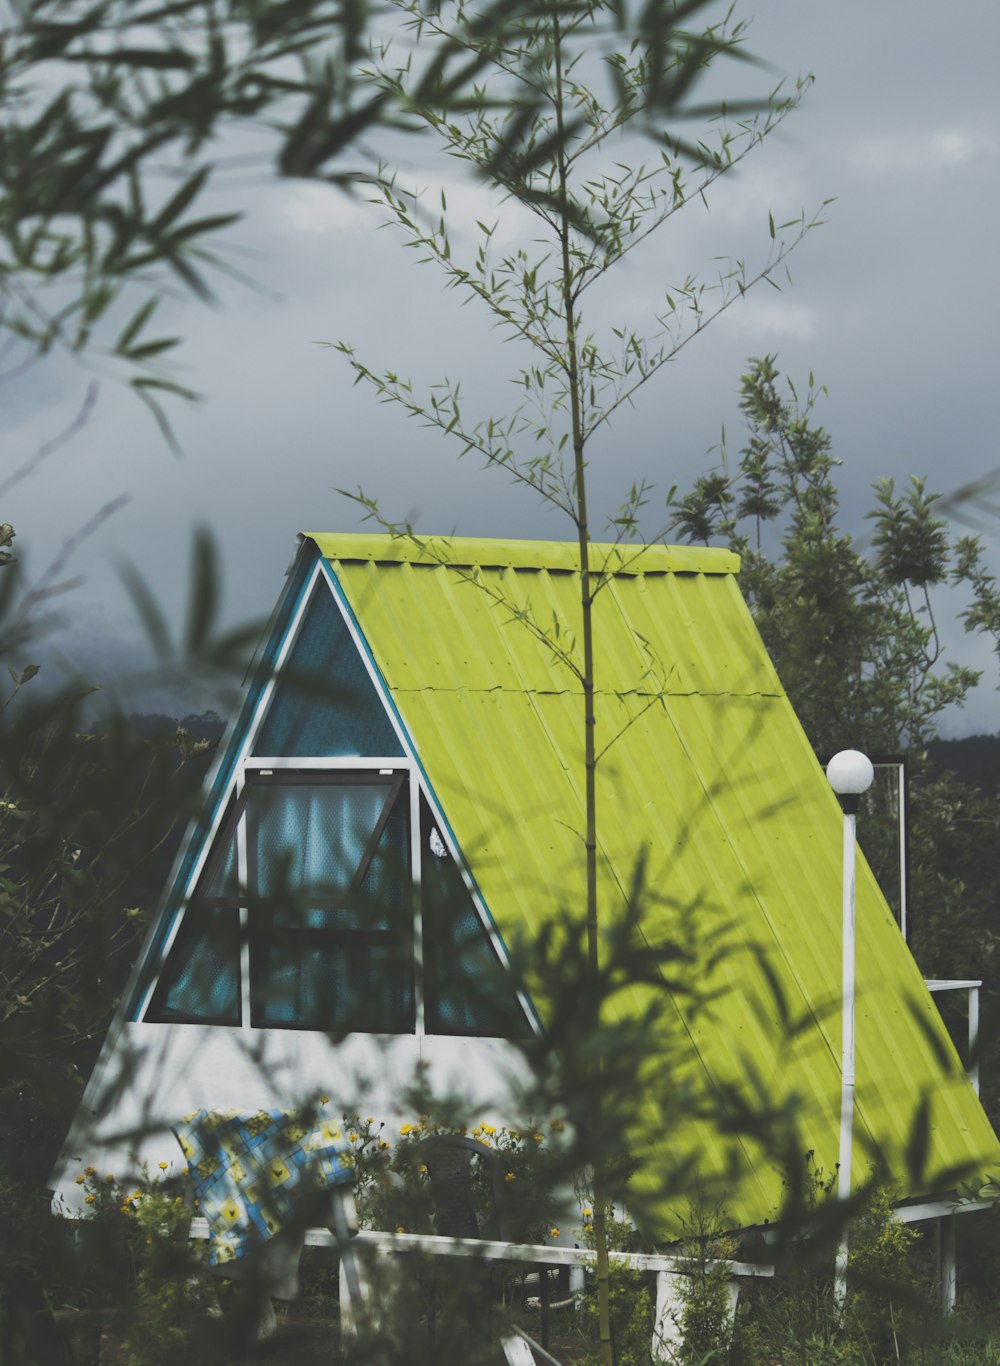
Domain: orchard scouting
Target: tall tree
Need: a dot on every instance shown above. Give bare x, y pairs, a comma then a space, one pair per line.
852, 631
559, 157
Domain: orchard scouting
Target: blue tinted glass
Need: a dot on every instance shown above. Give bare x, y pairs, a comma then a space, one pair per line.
467, 990
201, 981
331, 942
311, 834
324, 702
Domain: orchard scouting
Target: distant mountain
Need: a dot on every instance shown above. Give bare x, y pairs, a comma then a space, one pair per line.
976, 759
208, 725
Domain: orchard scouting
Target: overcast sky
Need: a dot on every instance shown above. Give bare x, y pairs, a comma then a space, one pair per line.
893, 305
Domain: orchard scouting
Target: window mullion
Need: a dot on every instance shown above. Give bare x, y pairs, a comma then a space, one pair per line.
241, 875
376, 835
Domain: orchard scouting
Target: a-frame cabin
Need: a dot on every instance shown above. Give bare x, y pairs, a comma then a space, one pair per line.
411, 751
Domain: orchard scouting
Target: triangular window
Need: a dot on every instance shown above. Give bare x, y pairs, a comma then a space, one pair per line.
467, 990
324, 703
200, 982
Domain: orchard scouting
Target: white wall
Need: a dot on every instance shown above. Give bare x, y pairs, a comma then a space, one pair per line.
158, 1073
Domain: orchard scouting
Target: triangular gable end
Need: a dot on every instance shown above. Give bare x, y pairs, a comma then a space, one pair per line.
319, 797
324, 703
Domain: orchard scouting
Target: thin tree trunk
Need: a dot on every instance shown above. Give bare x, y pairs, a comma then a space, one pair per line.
589, 719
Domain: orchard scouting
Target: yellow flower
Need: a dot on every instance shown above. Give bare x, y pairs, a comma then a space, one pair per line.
405, 1129
89, 1200
489, 1128
382, 1143
109, 1179
90, 1170
164, 1166
557, 1124
537, 1137
553, 1233
509, 1176
324, 1100
515, 1134
400, 1228
80, 1180
422, 1169
352, 1137
587, 1213
369, 1119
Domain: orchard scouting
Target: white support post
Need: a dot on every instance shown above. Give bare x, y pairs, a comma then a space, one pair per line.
847, 1054
668, 1336
949, 1276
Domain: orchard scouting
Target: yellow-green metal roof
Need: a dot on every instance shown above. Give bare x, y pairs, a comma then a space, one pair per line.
708, 776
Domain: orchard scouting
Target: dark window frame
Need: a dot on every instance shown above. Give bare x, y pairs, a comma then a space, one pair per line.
263, 937
258, 936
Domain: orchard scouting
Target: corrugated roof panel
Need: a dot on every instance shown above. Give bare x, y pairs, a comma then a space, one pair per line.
657, 632
681, 619
706, 774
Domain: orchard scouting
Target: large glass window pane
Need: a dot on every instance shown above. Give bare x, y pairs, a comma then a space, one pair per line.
310, 834
330, 904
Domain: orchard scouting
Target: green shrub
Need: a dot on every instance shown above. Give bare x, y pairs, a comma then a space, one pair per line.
135, 1257
174, 1296
883, 1283
706, 1323
393, 1192
632, 1307
632, 1303
37, 1275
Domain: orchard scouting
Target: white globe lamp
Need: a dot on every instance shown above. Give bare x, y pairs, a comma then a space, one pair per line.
850, 774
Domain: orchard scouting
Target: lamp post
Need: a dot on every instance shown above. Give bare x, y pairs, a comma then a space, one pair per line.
850, 774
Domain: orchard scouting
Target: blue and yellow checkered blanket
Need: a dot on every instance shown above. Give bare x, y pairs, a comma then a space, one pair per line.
254, 1173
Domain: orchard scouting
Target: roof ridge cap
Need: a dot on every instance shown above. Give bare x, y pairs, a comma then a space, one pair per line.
488, 552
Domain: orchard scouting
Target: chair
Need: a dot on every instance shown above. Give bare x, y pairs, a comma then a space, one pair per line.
448, 1159
449, 1162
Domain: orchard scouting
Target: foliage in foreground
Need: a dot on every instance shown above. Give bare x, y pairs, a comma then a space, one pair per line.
133, 1261
114, 112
